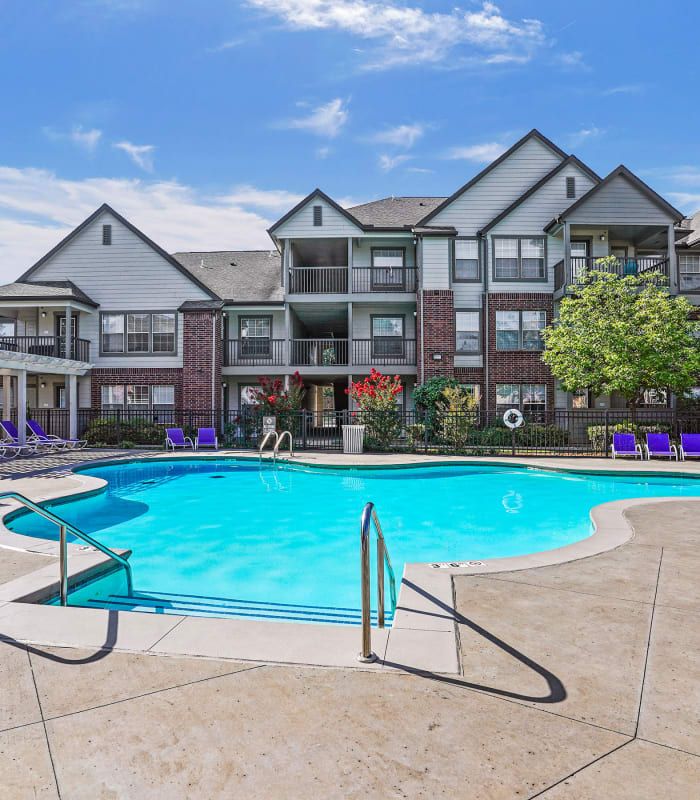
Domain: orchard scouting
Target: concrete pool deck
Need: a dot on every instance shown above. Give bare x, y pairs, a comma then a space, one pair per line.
577, 680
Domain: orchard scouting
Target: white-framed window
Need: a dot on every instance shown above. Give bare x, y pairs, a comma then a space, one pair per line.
689, 268
528, 397
520, 330
473, 390
521, 258
163, 333
387, 267
137, 395
162, 396
137, 332
387, 336
466, 260
256, 336
468, 331
112, 397
112, 333
138, 328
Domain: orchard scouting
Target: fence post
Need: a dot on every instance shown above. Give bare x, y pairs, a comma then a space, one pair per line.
119, 427
425, 432
512, 441
607, 433
303, 429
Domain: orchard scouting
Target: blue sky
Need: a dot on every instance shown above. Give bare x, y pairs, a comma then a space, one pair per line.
204, 122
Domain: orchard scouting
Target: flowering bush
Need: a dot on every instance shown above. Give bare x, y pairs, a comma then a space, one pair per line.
377, 393
271, 397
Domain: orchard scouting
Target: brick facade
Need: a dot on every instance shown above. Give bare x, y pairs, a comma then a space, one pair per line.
144, 376
435, 329
201, 354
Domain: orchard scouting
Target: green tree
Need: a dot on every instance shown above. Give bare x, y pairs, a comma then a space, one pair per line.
624, 334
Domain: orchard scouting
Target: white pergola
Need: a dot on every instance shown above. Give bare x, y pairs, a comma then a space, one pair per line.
18, 365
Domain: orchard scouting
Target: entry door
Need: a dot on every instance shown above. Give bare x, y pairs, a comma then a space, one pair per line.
579, 256
61, 333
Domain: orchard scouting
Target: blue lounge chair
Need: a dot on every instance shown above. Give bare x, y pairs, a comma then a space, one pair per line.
659, 445
206, 437
690, 445
11, 438
624, 444
174, 437
39, 435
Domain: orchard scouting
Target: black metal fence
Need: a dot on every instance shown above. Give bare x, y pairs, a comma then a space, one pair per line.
580, 432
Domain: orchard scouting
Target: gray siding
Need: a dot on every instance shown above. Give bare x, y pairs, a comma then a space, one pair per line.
302, 223
436, 263
619, 202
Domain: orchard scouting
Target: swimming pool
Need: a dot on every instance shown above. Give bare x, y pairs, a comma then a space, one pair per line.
231, 537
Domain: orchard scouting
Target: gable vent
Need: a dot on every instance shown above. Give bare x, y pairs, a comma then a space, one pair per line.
106, 234
571, 187
318, 216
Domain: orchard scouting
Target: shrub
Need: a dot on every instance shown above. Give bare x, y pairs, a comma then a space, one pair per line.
427, 396
139, 431
416, 435
596, 433
376, 394
456, 415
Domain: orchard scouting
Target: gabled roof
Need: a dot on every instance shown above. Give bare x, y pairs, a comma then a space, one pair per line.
105, 207
238, 275
302, 203
535, 187
533, 134
691, 227
46, 290
621, 171
394, 212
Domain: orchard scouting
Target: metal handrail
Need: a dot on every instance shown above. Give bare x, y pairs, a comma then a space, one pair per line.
264, 442
278, 444
63, 526
369, 515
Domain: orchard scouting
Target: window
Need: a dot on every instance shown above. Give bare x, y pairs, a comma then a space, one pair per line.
580, 399
689, 267
571, 187
654, 397
106, 234
468, 331
59, 395
318, 216
138, 332
520, 330
7, 327
137, 395
466, 260
473, 390
519, 259
112, 333
255, 336
162, 396
248, 395
388, 267
528, 397
387, 336
112, 397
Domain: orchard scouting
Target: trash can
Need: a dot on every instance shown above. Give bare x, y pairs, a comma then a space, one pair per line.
353, 438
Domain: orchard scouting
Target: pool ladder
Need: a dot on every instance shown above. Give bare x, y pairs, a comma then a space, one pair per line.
369, 516
279, 440
64, 526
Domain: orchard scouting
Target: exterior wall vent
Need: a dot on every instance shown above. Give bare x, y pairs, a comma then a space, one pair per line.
318, 216
106, 234
571, 187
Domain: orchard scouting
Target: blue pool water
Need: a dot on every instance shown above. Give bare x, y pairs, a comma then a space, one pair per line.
232, 529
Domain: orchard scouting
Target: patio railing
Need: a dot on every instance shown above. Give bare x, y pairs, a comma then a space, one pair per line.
634, 265
54, 346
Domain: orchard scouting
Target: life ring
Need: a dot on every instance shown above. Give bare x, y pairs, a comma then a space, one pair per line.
513, 418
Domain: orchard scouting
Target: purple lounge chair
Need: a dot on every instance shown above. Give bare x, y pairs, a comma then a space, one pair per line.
624, 444
174, 437
690, 445
11, 438
206, 437
659, 445
39, 435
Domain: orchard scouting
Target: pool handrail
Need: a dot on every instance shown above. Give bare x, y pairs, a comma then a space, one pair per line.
369, 515
280, 439
264, 442
63, 526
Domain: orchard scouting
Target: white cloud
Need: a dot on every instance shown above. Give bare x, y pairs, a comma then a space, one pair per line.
688, 202
323, 152
408, 35
571, 60
140, 154
327, 120
684, 174
86, 139
631, 88
401, 135
483, 153
387, 163
419, 169
228, 45
585, 135
38, 208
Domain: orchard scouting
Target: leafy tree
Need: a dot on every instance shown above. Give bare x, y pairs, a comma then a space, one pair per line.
428, 395
623, 334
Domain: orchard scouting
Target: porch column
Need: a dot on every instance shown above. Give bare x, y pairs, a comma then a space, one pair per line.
673, 276
288, 334
22, 405
350, 402
568, 278
350, 335
349, 263
72, 406
68, 354
7, 396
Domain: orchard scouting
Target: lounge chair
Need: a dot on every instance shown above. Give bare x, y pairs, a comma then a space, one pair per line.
9, 450
11, 438
624, 444
690, 445
49, 439
174, 437
206, 437
659, 445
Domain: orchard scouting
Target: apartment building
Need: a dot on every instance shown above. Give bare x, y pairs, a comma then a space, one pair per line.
458, 286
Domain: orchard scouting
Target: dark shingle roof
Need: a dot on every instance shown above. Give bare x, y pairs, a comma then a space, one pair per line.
238, 275
46, 290
692, 225
395, 212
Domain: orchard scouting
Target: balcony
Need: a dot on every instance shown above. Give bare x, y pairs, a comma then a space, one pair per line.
255, 352
319, 352
54, 346
384, 351
365, 280
634, 265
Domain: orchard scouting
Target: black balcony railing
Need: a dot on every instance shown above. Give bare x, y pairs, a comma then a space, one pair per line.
384, 350
579, 267
255, 352
318, 280
54, 346
319, 352
384, 279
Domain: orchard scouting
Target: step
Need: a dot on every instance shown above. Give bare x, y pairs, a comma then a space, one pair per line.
202, 606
